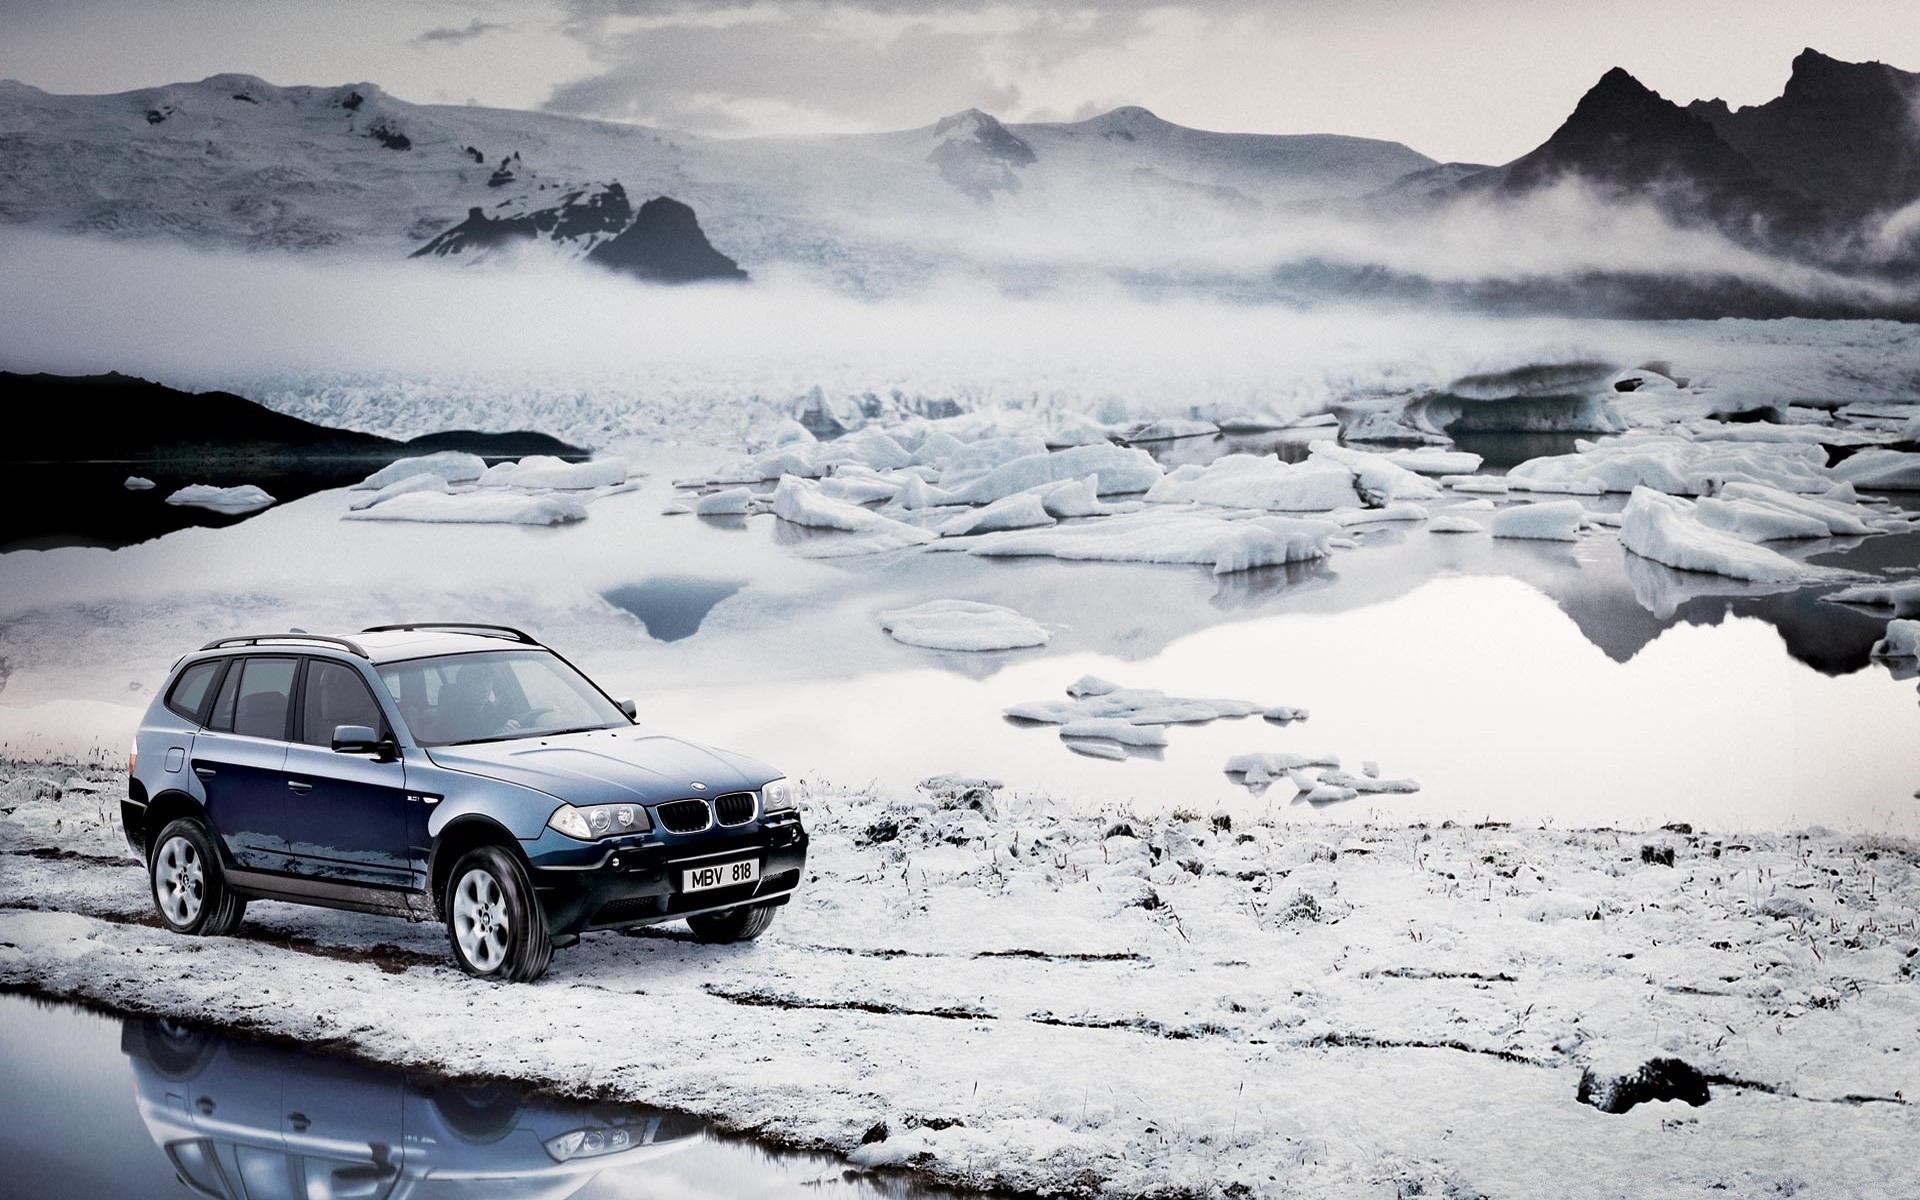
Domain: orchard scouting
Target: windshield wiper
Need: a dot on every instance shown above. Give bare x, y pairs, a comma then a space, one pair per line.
529, 733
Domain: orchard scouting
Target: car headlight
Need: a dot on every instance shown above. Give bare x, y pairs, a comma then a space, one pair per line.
592, 822
778, 796
589, 1143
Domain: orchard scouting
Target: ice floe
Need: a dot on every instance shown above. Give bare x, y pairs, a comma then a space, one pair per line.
1167, 429
1549, 520
1023, 510
1902, 640
1677, 466
138, 483
1900, 599
453, 466
1120, 470
246, 498
726, 502
544, 471
423, 482
1099, 711
963, 625
1224, 545
1449, 523
1668, 529
802, 503
475, 508
1881, 469
1431, 460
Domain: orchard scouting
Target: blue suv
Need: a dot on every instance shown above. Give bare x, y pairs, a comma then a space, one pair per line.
453, 772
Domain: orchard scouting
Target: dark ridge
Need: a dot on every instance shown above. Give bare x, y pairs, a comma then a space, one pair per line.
579, 213
666, 245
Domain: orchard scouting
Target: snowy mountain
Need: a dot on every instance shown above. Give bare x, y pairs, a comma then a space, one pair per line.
580, 220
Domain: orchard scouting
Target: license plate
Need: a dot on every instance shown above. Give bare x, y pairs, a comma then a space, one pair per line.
720, 875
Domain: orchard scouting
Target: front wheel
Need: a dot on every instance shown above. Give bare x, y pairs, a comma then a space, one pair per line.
494, 919
188, 890
733, 924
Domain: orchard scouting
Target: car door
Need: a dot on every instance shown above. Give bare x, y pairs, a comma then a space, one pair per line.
240, 760
346, 813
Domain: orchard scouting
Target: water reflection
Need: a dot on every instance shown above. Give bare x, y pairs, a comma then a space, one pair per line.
244, 1120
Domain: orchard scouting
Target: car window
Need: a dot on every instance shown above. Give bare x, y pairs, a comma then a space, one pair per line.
266, 688
495, 695
334, 695
189, 694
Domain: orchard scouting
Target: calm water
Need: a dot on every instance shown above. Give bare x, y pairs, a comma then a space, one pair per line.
132, 1108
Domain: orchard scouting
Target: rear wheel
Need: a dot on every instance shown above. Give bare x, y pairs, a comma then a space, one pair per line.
494, 920
733, 924
188, 889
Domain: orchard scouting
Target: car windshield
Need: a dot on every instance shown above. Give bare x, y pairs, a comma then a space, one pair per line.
495, 695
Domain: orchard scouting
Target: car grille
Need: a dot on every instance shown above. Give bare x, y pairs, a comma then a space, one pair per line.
734, 808
685, 816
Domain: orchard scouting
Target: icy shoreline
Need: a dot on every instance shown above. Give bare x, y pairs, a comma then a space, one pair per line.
1264, 1009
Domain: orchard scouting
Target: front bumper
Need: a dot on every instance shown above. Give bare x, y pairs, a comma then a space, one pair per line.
624, 882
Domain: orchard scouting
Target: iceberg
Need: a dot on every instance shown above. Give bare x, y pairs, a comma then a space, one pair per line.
475, 508
138, 483
1551, 520
1885, 470
963, 625
1023, 510
547, 472
1679, 467
1120, 470
727, 502
802, 503
1225, 546
1902, 640
454, 466
1902, 599
1667, 530
245, 498
413, 483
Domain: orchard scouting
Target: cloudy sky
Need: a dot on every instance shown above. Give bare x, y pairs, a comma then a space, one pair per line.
1480, 80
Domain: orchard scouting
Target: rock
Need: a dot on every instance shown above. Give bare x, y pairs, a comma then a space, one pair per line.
665, 245
1656, 1079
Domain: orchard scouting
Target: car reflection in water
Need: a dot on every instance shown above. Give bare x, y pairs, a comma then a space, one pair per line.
248, 1120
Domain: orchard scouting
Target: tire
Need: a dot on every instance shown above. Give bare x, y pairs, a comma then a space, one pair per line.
478, 1114
184, 878
733, 924
494, 920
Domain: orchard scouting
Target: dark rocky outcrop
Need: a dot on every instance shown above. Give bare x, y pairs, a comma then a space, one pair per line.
581, 214
977, 154
1657, 1079
389, 135
666, 245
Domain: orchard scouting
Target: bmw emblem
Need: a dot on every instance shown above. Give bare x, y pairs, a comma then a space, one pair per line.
697, 786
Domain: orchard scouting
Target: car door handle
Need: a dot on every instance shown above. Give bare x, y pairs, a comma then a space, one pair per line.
204, 772
295, 785
298, 1122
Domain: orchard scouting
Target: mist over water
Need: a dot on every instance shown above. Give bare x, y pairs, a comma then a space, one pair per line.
412, 347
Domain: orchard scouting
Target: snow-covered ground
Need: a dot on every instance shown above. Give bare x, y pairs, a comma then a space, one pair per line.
1004, 991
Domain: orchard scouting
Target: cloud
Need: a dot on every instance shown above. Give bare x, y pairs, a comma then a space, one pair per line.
454, 35
737, 66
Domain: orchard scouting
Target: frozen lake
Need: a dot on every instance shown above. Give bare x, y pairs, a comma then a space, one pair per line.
1530, 682
163, 1102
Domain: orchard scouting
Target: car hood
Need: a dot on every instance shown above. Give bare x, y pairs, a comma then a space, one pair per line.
609, 766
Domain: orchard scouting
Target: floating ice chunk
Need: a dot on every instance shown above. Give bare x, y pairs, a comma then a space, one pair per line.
1093, 749
1112, 729
1902, 640
914, 493
963, 625
678, 508
1226, 546
1679, 467
475, 508
1325, 420
1120, 470
1552, 520
1432, 460
137, 483
1768, 431
859, 489
1837, 514
1260, 482
1884, 470
1329, 793
727, 502
546, 471
1284, 714
1073, 498
1448, 523
1667, 530
1378, 479
1025, 510
1399, 510
1255, 423
1492, 485
801, 502
1092, 685
454, 466
400, 487
1076, 429
1481, 505
785, 432
969, 460
1370, 783
245, 498
1903, 599
1277, 762
1755, 521
1167, 429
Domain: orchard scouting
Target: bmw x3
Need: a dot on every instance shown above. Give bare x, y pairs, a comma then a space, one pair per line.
452, 772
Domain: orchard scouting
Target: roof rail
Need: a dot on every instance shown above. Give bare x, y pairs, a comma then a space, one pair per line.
499, 631
255, 639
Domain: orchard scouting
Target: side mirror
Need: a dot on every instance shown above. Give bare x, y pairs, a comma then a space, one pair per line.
356, 739
630, 708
